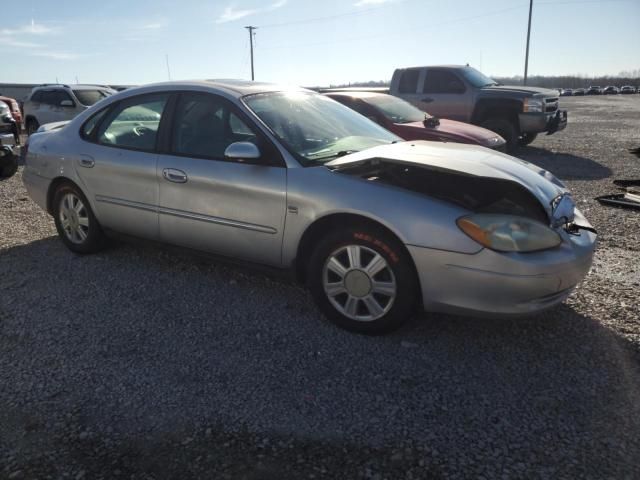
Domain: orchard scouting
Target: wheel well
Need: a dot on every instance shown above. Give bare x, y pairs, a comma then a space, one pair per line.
507, 110
314, 233
52, 190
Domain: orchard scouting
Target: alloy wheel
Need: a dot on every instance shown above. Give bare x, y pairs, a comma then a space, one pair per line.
359, 283
74, 218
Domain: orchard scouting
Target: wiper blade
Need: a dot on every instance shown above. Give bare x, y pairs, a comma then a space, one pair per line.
339, 154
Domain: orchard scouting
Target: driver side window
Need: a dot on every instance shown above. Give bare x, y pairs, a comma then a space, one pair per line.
133, 124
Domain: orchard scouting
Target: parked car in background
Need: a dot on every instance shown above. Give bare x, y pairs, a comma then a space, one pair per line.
292, 179
517, 113
594, 90
54, 103
626, 89
410, 123
610, 90
578, 92
566, 92
14, 107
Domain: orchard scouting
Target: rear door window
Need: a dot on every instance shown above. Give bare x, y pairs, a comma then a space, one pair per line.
133, 124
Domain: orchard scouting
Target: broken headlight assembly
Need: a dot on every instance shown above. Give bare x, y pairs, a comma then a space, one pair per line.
508, 233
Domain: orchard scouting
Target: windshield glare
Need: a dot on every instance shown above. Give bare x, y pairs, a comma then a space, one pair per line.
314, 128
89, 97
476, 78
396, 109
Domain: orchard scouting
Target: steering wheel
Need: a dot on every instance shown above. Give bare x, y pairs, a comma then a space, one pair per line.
141, 130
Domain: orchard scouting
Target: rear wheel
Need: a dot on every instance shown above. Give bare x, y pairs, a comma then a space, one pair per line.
363, 280
505, 129
526, 139
77, 226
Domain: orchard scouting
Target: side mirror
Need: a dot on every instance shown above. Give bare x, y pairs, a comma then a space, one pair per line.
241, 151
66, 103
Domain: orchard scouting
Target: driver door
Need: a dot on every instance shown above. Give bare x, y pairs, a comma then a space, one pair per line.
207, 202
445, 95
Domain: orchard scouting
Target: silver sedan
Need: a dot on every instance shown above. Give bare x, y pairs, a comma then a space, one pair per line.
375, 226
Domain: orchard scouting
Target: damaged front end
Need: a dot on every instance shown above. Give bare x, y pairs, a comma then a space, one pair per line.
483, 195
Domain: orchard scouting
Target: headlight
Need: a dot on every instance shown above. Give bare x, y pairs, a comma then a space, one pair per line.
532, 105
508, 233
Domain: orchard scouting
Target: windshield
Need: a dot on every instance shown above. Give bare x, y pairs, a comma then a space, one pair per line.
89, 97
314, 128
396, 109
476, 78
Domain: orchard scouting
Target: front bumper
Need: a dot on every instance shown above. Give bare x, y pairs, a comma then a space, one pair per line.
543, 122
7, 139
491, 283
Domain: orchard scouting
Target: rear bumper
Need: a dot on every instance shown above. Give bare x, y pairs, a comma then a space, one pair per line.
543, 122
492, 283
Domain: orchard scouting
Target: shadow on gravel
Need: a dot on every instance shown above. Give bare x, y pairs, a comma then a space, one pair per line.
565, 166
119, 363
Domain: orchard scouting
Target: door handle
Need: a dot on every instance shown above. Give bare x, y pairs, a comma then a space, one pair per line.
87, 161
427, 100
174, 175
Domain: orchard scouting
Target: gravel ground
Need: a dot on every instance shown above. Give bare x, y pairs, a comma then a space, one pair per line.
141, 363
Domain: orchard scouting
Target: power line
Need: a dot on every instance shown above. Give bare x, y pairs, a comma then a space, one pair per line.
331, 17
399, 33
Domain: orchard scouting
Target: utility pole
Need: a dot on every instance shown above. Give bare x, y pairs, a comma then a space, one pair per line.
251, 34
526, 57
166, 57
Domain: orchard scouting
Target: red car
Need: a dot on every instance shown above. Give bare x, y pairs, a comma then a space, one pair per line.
408, 122
14, 107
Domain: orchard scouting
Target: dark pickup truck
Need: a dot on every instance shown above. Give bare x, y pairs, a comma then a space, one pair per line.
462, 93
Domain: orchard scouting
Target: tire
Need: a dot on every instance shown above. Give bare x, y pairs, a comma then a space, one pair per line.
505, 129
32, 126
8, 163
348, 298
81, 233
526, 139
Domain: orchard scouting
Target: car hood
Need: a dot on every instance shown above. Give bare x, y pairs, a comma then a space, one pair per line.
468, 160
515, 89
456, 131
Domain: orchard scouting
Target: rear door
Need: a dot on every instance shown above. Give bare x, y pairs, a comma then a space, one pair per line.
210, 203
117, 164
445, 95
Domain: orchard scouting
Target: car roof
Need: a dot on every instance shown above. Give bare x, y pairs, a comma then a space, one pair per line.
233, 88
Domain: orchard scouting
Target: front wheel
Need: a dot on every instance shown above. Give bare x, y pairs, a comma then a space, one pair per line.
505, 129
363, 280
77, 226
8, 163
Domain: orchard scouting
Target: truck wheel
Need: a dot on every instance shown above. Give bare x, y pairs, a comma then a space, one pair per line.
526, 139
505, 129
363, 280
32, 126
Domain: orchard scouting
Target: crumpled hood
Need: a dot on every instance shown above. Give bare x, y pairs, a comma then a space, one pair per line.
469, 159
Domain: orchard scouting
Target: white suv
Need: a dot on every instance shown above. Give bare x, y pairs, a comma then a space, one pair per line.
56, 103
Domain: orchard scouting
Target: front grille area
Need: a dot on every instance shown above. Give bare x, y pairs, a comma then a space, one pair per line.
550, 104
